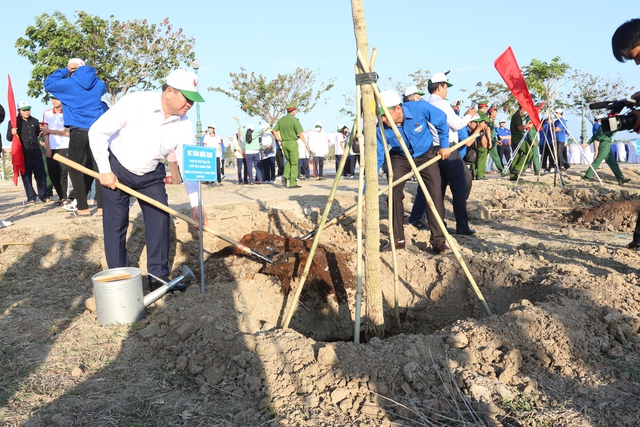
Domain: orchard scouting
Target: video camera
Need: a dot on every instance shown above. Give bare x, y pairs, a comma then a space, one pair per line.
614, 120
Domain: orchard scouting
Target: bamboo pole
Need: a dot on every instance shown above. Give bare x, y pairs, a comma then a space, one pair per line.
162, 207
360, 250
448, 238
316, 240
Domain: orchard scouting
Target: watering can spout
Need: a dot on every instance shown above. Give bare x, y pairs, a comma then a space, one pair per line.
152, 297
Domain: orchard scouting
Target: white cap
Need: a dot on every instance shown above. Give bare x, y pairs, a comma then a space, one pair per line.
559, 110
24, 105
250, 127
211, 125
265, 126
77, 61
187, 83
440, 78
318, 124
390, 98
411, 90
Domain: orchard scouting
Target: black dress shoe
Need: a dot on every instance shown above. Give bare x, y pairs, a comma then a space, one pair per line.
468, 232
420, 225
155, 283
441, 247
633, 245
295, 186
387, 247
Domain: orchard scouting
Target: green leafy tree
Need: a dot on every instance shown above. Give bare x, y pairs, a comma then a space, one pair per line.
496, 93
126, 55
545, 79
260, 97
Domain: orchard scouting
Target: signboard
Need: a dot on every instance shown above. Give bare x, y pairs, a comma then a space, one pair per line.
199, 163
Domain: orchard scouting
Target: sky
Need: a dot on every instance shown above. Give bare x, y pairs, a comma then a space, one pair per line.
276, 37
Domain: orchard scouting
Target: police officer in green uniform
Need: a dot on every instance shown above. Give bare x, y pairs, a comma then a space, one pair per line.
484, 143
493, 151
528, 151
604, 153
288, 130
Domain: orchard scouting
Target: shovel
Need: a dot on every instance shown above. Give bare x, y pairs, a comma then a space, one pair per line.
165, 208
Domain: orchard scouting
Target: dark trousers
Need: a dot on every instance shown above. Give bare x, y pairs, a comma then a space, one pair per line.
80, 152
240, 165
116, 219
253, 161
269, 168
338, 160
562, 155
318, 165
280, 161
468, 177
303, 168
34, 166
58, 172
452, 173
547, 158
219, 169
504, 151
432, 180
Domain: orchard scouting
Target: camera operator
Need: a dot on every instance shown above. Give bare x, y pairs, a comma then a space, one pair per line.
626, 45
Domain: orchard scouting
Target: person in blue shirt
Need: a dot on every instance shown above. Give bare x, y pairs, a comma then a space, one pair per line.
80, 90
504, 143
414, 121
562, 133
546, 145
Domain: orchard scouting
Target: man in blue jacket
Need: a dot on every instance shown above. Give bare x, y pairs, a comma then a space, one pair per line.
414, 121
561, 139
80, 90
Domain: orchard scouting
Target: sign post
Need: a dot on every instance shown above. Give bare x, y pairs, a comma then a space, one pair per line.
199, 164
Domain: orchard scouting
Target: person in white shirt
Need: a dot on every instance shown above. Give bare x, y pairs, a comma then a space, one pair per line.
213, 140
319, 148
268, 152
129, 143
56, 141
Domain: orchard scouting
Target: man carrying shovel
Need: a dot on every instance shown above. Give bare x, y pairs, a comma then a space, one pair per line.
129, 143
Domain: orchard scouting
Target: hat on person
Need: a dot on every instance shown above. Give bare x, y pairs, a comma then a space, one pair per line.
440, 78
211, 125
484, 116
79, 62
492, 109
411, 90
266, 126
23, 105
318, 125
483, 103
250, 127
390, 98
187, 83
503, 121
476, 118
559, 110
293, 105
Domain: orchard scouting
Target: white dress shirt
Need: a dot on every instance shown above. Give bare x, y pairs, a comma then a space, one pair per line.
454, 121
140, 137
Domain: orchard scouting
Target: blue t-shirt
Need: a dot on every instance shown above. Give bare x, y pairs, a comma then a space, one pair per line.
561, 136
503, 132
415, 130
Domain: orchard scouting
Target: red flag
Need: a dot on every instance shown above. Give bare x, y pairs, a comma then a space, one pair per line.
17, 156
509, 70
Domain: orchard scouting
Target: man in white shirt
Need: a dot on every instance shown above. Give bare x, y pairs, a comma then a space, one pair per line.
319, 147
129, 143
452, 169
56, 141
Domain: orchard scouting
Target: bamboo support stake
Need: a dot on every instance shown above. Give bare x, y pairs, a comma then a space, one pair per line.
360, 249
448, 238
316, 240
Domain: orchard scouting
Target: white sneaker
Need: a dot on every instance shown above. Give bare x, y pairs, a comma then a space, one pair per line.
4, 224
71, 206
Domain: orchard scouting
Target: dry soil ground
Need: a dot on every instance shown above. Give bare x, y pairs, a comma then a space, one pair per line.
560, 349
